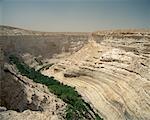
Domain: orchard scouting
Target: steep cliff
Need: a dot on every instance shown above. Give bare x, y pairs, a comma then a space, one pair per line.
110, 69
45, 44
22, 99
113, 75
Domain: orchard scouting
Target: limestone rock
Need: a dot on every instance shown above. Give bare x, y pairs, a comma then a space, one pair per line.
111, 71
112, 77
26, 100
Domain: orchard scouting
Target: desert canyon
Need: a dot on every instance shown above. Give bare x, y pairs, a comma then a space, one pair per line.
110, 69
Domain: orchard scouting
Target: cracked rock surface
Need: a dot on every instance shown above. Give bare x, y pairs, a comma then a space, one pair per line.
112, 77
111, 71
25, 100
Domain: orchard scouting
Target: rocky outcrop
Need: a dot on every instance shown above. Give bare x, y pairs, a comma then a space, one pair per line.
22, 99
45, 44
111, 72
111, 76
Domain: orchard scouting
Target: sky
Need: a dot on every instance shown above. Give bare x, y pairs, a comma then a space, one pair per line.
75, 15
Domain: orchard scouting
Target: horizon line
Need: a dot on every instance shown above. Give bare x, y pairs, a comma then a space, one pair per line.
106, 29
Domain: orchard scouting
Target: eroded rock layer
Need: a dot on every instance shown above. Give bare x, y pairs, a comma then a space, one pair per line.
111, 71
45, 44
22, 99
114, 76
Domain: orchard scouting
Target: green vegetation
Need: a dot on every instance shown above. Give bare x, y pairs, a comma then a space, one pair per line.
77, 108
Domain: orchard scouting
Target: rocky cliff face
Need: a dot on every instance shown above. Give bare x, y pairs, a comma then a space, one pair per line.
111, 71
22, 99
14, 40
113, 75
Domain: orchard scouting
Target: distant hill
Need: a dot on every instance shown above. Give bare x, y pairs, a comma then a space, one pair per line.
8, 30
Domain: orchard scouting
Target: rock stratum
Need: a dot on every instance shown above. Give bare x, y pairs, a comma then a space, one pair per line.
110, 69
23, 99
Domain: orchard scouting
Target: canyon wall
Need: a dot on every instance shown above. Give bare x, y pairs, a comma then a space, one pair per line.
110, 69
14, 40
112, 73
47, 44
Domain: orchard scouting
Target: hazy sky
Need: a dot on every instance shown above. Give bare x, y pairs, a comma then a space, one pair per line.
75, 15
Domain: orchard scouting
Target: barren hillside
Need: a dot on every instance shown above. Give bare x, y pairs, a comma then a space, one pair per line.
113, 75
110, 69
45, 44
